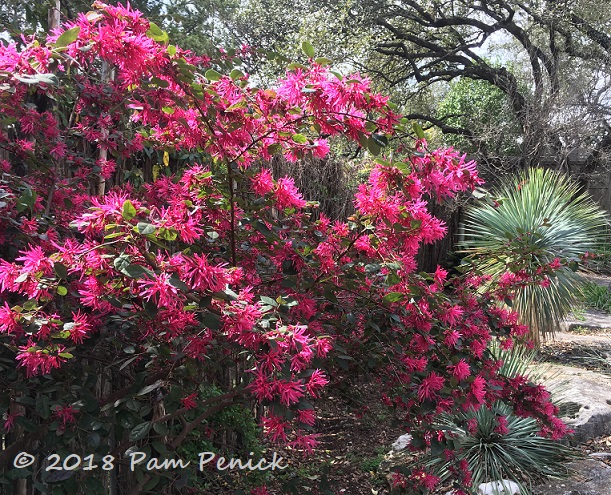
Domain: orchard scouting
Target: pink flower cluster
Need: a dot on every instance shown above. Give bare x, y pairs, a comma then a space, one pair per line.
221, 265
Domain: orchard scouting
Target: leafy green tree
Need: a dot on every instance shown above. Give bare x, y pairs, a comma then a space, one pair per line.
544, 44
17, 16
201, 25
482, 114
550, 60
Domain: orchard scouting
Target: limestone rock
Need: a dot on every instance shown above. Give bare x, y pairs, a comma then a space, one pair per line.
593, 478
591, 392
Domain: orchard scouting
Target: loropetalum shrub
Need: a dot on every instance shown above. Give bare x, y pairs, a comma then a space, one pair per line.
122, 307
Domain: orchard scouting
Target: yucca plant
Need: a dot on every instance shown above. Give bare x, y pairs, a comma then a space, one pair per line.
540, 215
520, 454
520, 360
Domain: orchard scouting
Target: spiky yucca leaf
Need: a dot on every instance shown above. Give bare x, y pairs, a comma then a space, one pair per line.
542, 216
521, 455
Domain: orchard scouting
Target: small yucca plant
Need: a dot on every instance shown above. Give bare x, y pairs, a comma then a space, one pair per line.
497, 444
541, 216
519, 453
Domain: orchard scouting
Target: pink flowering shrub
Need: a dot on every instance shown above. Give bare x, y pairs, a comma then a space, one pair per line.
122, 306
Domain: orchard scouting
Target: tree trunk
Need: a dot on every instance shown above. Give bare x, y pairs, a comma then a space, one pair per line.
53, 17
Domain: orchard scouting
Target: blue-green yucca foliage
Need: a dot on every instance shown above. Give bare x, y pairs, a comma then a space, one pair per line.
520, 454
542, 215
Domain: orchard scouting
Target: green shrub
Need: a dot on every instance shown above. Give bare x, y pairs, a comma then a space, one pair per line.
597, 296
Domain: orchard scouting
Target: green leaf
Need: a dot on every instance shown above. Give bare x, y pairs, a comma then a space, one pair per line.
269, 301
167, 234
211, 321
60, 270
236, 74
323, 61
264, 229
128, 362
479, 193
308, 49
94, 439
42, 406
149, 388
373, 147
161, 428
129, 210
380, 139
160, 447
69, 326
67, 37
403, 167
299, 138
114, 235
26, 200
236, 106
50, 79
171, 50
61, 290
140, 431
30, 305
393, 297
152, 483
145, 228
27, 424
418, 130
137, 271
179, 284
121, 262
156, 33
288, 267
37, 79
295, 65
151, 308
212, 75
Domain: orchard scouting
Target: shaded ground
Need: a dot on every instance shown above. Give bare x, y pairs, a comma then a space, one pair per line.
592, 352
356, 431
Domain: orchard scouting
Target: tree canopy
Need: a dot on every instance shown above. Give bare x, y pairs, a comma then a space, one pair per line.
550, 60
